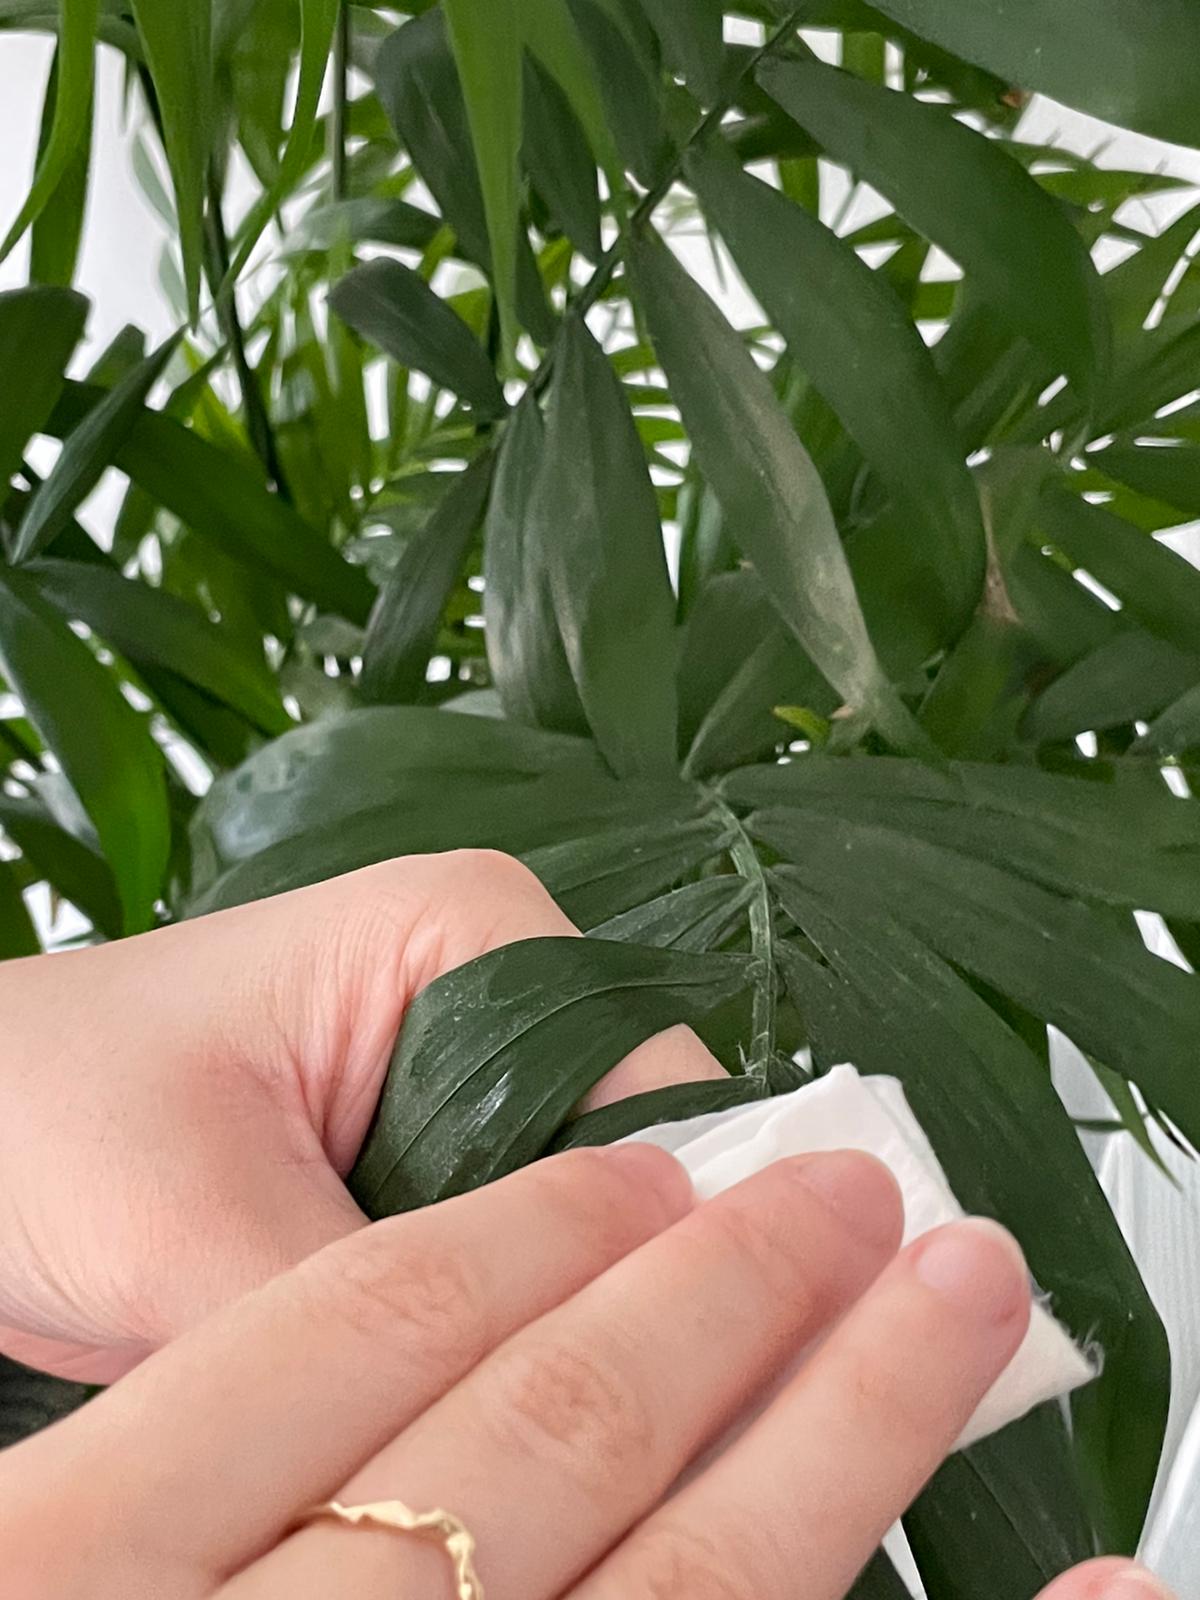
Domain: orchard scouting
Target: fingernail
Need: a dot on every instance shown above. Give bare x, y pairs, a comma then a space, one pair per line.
656, 1173
978, 1266
859, 1190
1134, 1583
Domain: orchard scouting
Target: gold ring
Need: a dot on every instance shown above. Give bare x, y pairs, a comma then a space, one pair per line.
441, 1527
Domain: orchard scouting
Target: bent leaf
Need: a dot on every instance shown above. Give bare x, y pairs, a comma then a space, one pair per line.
492, 1057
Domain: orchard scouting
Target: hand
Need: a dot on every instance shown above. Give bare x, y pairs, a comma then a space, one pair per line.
545, 1358
179, 1109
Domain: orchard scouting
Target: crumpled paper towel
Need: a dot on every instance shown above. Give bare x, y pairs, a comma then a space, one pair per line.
843, 1111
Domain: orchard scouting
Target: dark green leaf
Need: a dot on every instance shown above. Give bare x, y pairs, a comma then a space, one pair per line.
87, 453
17, 936
31, 1401
416, 81
227, 503
693, 41
178, 45
395, 308
1130, 677
979, 694
1125, 842
1133, 286
679, 1103
1170, 473
759, 470
525, 651
1086, 971
1009, 1150
552, 36
418, 85
103, 746
848, 331
559, 160
368, 219
598, 877
120, 355
1138, 78
39, 327
961, 190
629, 85
1176, 730
699, 916
78, 20
493, 1056
404, 623
400, 756
1154, 584
153, 627
1003, 1518
595, 524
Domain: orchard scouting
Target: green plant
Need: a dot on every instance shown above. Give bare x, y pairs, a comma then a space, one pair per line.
393, 574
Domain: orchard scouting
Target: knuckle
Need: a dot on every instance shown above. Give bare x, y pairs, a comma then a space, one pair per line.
669, 1560
424, 1301
577, 1407
496, 870
880, 1381
772, 1251
590, 1200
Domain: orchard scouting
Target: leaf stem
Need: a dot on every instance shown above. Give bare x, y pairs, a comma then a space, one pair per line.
337, 115
607, 265
258, 424
762, 936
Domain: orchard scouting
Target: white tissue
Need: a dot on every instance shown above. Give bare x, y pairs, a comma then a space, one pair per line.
843, 1111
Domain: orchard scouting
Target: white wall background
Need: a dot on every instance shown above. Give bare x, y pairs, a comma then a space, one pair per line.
119, 271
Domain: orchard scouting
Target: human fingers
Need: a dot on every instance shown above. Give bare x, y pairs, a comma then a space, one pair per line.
569, 1433
203, 1457
805, 1496
1108, 1579
206, 1088
378, 938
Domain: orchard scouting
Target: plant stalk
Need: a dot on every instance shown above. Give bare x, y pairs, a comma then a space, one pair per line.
337, 116
762, 938
258, 424
654, 196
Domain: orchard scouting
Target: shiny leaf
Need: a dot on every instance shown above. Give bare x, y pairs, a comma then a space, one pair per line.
492, 1057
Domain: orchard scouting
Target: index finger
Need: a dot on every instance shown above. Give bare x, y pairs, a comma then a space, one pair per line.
203, 1457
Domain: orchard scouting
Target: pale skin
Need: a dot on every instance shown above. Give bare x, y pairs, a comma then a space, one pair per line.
545, 1357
